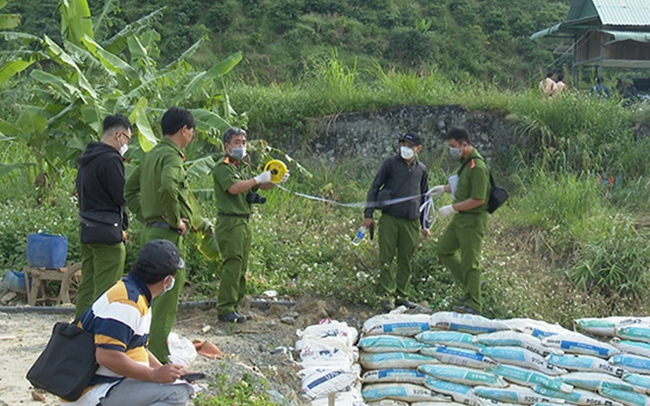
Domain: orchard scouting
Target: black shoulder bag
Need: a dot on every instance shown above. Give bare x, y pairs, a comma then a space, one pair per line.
100, 227
498, 194
67, 364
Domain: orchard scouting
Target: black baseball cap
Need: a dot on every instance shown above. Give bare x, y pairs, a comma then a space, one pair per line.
411, 138
160, 257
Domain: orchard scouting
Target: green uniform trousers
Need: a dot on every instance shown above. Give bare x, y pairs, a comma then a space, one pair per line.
101, 266
399, 235
459, 248
234, 237
165, 306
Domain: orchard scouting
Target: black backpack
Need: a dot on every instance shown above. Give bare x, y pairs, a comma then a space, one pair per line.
498, 194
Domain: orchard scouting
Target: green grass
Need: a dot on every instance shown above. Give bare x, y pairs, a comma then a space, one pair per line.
248, 391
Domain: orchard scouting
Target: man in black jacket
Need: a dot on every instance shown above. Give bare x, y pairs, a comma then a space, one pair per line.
400, 176
100, 187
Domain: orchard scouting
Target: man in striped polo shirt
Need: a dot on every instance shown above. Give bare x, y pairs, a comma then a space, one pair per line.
120, 319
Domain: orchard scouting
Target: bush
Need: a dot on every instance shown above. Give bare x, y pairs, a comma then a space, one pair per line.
283, 14
409, 47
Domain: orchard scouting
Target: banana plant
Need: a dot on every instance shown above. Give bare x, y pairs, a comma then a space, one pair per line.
68, 88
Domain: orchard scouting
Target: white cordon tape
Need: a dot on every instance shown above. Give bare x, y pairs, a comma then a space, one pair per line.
427, 208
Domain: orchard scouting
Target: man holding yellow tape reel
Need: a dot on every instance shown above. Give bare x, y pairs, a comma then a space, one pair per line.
236, 192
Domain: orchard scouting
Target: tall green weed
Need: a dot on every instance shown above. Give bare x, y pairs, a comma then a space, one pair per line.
570, 218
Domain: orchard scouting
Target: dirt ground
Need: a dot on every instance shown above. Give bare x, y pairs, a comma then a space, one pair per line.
260, 348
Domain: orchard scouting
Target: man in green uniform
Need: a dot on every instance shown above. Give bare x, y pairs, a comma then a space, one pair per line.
399, 176
459, 246
157, 193
235, 192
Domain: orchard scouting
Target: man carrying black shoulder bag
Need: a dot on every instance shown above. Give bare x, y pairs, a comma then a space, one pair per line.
103, 220
102, 358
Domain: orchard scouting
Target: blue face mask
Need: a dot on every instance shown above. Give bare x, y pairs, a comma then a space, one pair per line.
455, 152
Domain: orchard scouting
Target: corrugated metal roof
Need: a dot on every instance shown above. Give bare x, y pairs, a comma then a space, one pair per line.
613, 12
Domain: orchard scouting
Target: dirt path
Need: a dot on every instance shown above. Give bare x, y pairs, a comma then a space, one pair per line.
256, 349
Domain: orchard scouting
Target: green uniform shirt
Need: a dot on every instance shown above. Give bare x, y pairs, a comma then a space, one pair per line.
226, 173
158, 189
473, 182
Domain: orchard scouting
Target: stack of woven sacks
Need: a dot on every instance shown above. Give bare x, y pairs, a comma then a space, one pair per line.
329, 361
448, 358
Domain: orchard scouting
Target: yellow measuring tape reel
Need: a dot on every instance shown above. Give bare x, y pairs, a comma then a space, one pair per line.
277, 168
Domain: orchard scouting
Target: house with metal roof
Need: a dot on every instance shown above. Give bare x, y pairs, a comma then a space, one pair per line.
606, 33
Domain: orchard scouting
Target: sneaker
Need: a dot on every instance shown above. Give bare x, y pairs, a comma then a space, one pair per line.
386, 305
245, 316
232, 317
406, 303
465, 309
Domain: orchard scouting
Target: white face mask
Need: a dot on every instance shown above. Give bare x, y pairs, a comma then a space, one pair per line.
123, 149
238, 153
406, 152
455, 152
170, 287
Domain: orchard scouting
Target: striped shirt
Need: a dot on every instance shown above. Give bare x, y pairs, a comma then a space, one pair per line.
120, 320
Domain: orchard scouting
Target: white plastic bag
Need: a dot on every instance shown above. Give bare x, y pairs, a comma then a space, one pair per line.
181, 350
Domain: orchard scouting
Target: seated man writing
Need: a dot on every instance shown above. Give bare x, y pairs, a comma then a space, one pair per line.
120, 319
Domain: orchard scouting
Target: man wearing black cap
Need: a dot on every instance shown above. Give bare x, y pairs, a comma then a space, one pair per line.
128, 373
400, 176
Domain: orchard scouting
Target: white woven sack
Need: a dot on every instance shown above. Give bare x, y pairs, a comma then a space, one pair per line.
333, 329
397, 324
467, 323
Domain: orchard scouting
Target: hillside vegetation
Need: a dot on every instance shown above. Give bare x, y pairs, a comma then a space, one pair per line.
487, 40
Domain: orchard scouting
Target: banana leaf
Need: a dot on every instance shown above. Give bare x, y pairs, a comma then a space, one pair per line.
23, 38
9, 21
75, 20
63, 58
146, 137
207, 120
56, 83
13, 67
117, 43
109, 60
200, 167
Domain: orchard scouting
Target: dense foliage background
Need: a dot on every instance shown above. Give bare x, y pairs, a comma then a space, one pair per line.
484, 39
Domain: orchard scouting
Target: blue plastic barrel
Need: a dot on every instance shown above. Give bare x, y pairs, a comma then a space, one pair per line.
15, 281
46, 250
